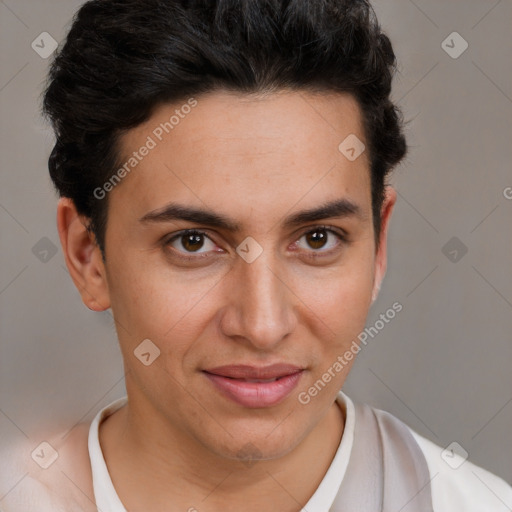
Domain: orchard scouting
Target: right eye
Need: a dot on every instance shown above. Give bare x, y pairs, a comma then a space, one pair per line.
191, 241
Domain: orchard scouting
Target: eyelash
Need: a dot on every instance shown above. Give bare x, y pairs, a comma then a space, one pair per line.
341, 236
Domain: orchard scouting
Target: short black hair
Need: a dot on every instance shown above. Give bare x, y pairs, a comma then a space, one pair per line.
123, 58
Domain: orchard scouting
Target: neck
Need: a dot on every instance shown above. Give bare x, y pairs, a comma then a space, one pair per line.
155, 466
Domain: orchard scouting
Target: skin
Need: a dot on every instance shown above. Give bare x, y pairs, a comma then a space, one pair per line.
255, 159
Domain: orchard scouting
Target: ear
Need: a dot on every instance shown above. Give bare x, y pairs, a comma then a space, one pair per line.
83, 256
381, 257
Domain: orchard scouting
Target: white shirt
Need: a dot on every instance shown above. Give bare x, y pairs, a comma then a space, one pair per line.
457, 485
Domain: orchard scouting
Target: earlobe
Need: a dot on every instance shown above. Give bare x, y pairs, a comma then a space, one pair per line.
381, 256
376, 290
83, 256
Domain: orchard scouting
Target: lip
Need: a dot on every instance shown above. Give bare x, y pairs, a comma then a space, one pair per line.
243, 371
240, 383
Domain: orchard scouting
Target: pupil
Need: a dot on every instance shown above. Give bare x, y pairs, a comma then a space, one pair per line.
193, 242
317, 239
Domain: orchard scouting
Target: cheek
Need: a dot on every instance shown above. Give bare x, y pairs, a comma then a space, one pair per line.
153, 302
342, 296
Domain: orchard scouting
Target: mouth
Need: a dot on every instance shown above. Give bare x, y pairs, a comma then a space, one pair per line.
255, 387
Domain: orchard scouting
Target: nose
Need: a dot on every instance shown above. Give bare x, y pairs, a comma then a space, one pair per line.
261, 307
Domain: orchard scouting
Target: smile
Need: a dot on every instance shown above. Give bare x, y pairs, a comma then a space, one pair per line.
255, 387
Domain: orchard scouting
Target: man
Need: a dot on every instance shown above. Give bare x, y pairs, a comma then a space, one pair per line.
223, 171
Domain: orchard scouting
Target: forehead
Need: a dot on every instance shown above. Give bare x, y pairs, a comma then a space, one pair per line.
299, 116
263, 149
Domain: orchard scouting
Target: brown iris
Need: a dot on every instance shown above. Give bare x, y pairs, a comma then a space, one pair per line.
316, 239
192, 241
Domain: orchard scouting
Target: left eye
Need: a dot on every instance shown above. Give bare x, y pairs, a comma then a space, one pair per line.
319, 239
192, 242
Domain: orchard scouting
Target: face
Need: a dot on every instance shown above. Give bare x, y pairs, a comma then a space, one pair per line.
242, 246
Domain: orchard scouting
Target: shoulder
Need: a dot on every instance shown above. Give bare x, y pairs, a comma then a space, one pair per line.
458, 484
53, 475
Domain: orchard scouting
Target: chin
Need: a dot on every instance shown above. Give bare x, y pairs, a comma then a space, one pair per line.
251, 447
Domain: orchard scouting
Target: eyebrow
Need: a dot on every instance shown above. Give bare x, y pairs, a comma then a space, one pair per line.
340, 208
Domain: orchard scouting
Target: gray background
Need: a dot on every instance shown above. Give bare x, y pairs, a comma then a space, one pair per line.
442, 365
